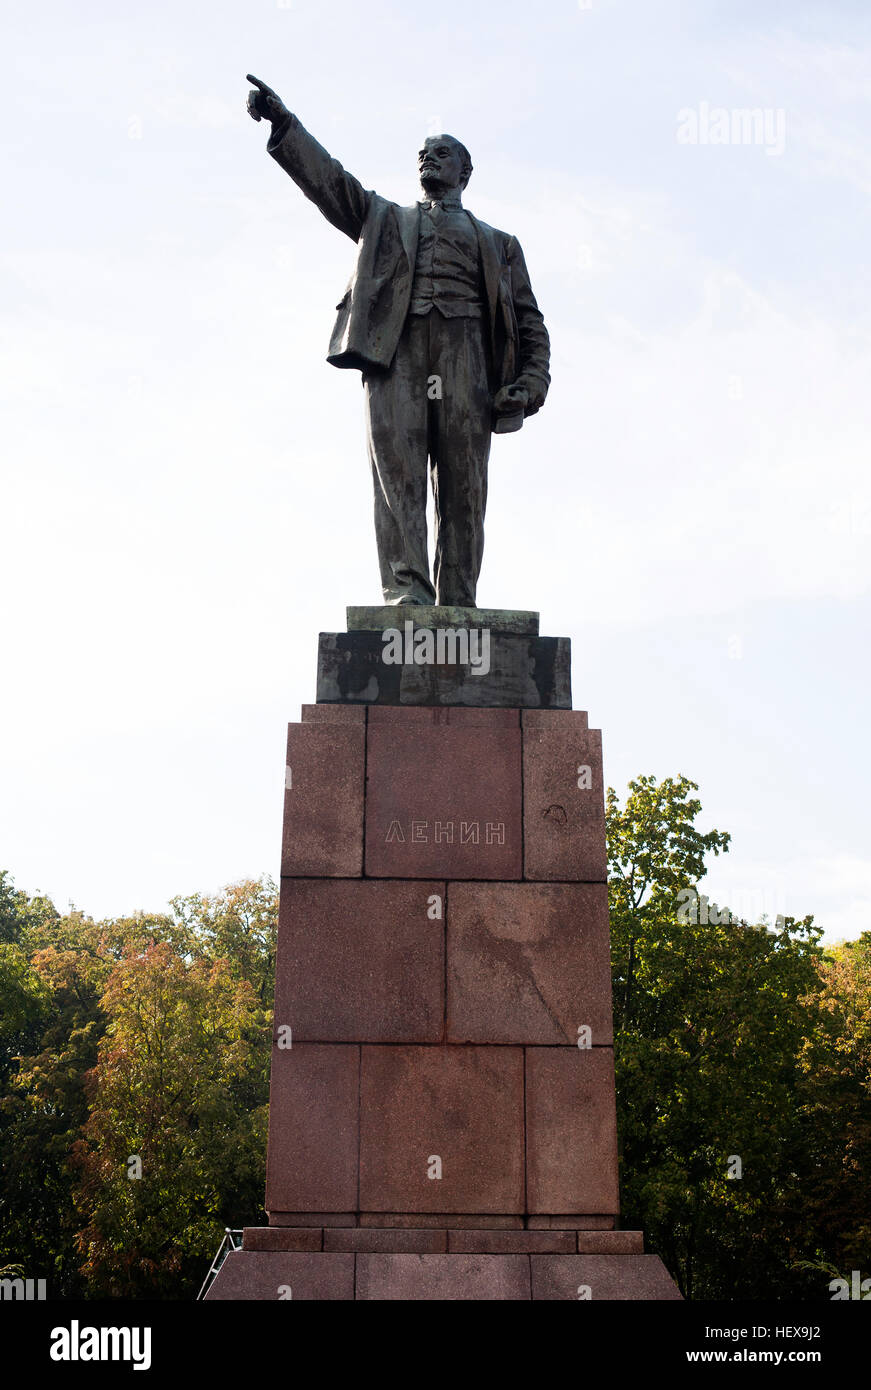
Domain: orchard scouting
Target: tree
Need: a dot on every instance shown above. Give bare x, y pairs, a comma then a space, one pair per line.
10, 924
18, 912
44, 1105
238, 925
832, 1207
61, 1121
165, 1136
711, 1015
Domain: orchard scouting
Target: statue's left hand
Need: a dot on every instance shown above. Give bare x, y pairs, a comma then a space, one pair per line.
535, 392
511, 399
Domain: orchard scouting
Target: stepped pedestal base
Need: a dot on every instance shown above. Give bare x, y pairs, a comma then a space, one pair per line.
448, 1264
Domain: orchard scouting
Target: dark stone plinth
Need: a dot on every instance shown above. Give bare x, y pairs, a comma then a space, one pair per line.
525, 672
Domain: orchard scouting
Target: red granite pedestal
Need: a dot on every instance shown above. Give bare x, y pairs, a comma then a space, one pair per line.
442, 1114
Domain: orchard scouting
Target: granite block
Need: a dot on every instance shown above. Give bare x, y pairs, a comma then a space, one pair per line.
528, 963
312, 1218
311, 1162
443, 800
610, 1242
361, 960
449, 1220
460, 1106
373, 1241
294, 1276
630, 1277
282, 1238
511, 1242
571, 1130
563, 803
323, 800
571, 1221
488, 1278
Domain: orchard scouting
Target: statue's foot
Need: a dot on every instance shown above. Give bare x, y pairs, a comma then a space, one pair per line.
407, 600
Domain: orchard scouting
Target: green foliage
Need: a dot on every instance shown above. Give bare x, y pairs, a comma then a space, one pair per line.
26, 1008
724, 1033
10, 925
237, 926
164, 1122
834, 1213
18, 912
49, 993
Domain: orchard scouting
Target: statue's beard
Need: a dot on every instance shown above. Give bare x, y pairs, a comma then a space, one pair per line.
431, 182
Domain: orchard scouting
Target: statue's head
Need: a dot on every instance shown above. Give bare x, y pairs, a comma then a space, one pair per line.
444, 164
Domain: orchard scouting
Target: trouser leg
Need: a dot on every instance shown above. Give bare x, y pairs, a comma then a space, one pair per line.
460, 432
396, 412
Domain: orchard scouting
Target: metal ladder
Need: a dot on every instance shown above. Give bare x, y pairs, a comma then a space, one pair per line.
227, 1246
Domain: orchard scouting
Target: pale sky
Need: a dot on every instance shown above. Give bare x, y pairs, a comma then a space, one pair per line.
185, 499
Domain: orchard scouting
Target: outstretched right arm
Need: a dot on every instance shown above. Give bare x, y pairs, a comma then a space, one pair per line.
341, 198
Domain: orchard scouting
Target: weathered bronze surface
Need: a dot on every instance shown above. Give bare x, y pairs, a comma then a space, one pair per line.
519, 621
440, 318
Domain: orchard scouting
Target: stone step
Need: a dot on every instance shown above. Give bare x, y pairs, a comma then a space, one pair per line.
368, 1240
380, 1276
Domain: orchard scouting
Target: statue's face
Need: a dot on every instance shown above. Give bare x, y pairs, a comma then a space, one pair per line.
439, 163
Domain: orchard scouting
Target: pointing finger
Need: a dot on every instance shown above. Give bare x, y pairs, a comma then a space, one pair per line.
267, 91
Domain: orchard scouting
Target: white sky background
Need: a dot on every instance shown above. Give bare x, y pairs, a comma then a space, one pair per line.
184, 491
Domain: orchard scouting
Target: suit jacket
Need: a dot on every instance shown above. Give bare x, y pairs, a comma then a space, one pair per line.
373, 311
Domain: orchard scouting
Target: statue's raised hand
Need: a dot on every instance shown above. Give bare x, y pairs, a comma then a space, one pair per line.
264, 104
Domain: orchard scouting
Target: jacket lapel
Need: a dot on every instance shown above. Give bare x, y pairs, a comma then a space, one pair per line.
409, 230
491, 265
